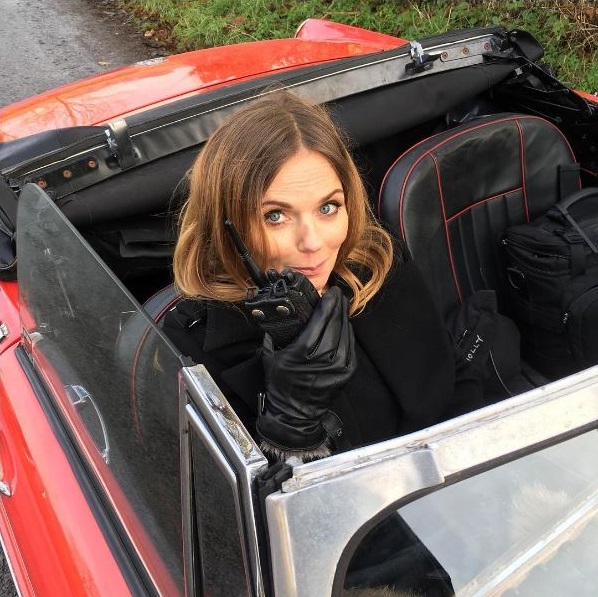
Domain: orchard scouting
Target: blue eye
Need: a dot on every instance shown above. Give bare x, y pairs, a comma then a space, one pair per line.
329, 208
273, 217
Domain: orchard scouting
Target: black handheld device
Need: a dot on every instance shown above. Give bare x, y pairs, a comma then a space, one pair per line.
280, 302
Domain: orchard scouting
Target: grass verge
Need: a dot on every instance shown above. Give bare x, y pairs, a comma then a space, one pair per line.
567, 29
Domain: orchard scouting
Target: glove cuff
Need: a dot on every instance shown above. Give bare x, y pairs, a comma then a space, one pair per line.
282, 441
283, 454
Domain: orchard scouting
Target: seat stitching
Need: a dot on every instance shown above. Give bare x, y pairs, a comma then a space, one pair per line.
402, 196
140, 344
515, 118
469, 207
522, 164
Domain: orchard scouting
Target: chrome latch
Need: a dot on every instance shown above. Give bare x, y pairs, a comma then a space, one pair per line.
3, 331
420, 60
120, 143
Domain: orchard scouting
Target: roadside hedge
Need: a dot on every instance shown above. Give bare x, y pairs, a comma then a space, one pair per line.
567, 29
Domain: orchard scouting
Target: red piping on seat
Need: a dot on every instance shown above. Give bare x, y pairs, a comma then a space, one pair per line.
522, 161
483, 201
516, 119
446, 230
136, 420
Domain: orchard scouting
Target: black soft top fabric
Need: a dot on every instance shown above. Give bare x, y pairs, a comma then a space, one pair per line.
150, 187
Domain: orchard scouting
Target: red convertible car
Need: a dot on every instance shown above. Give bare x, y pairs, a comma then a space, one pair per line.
123, 469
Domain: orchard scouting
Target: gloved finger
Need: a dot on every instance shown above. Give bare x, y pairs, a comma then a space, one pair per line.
319, 325
343, 343
268, 344
331, 340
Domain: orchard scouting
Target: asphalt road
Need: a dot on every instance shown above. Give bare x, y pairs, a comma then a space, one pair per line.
46, 43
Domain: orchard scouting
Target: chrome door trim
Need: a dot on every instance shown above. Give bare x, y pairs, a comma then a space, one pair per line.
328, 502
205, 409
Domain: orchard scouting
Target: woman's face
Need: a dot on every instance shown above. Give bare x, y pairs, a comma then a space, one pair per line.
305, 217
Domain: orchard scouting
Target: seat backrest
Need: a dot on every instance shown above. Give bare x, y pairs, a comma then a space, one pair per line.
452, 196
139, 351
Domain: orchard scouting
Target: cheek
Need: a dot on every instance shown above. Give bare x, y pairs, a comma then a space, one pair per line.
273, 244
278, 249
340, 231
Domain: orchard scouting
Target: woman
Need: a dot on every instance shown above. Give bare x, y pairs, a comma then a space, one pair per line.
374, 360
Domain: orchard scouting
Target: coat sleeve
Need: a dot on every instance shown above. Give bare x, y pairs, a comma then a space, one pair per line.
403, 334
186, 326
458, 390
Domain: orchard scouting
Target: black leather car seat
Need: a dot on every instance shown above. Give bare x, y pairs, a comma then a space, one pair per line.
161, 302
145, 355
452, 196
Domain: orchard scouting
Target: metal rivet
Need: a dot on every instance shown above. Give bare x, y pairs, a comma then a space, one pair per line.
444, 55
42, 184
282, 310
67, 174
258, 314
92, 164
465, 51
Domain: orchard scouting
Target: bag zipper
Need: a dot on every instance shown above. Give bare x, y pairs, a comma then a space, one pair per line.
507, 242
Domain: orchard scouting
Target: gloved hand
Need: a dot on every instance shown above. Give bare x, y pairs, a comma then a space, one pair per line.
303, 378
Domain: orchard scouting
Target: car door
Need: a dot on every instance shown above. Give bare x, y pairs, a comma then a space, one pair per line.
108, 382
501, 501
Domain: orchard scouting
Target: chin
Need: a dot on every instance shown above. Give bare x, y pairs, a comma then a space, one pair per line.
319, 283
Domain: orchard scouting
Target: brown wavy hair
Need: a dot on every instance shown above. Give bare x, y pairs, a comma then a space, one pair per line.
229, 180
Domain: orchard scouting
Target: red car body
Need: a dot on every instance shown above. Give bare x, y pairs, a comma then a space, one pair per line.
55, 546
127, 90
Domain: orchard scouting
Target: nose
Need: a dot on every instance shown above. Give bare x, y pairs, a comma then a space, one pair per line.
309, 238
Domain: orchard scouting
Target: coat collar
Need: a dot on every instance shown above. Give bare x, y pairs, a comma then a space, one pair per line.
378, 329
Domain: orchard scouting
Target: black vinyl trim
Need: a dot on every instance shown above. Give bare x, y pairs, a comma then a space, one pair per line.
134, 573
186, 123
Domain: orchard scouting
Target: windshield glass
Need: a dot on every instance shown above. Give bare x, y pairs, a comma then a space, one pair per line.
526, 528
112, 375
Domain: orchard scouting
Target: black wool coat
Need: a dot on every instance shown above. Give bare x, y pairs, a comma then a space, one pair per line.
405, 378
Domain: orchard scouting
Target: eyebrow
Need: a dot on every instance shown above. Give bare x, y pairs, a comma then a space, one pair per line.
277, 203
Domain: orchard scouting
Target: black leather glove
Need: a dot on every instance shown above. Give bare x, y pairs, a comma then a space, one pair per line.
303, 379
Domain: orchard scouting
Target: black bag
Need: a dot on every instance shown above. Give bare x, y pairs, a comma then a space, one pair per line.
551, 285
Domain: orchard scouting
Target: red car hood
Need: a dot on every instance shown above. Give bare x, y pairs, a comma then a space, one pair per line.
124, 91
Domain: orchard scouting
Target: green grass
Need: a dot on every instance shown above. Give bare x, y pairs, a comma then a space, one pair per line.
567, 29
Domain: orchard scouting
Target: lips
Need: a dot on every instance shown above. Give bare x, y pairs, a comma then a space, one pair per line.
309, 271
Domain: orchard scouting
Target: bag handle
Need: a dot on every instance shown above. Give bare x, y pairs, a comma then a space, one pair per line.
564, 205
